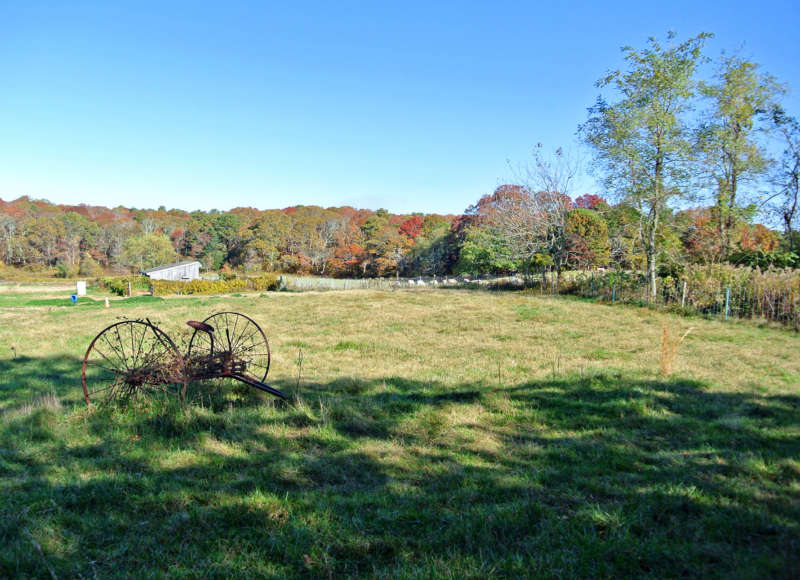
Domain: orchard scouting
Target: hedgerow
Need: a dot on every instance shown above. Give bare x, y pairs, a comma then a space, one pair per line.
262, 283
119, 285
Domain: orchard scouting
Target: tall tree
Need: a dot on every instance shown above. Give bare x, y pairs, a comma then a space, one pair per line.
549, 182
786, 202
313, 235
269, 234
533, 217
42, 239
9, 235
78, 234
148, 251
641, 142
110, 240
730, 154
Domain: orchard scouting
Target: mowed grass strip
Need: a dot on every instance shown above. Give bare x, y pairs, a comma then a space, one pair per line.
430, 434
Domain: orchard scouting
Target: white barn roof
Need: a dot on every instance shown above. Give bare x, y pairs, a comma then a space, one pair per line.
169, 266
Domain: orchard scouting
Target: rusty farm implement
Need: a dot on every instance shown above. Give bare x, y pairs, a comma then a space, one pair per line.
135, 357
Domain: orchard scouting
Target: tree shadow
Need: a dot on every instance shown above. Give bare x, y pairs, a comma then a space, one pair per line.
24, 378
594, 476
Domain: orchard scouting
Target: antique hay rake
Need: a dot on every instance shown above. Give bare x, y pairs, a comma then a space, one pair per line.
136, 357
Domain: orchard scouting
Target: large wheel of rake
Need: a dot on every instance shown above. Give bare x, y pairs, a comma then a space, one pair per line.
129, 359
237, 334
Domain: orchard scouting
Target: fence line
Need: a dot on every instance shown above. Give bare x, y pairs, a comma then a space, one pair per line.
306, 283
710, 298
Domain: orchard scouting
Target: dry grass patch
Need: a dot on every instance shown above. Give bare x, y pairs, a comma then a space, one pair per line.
222, 448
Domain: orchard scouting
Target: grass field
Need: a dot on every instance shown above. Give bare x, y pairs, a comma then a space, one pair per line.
430, 434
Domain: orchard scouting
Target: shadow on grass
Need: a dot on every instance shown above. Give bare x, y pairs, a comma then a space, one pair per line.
597, 476
24, 378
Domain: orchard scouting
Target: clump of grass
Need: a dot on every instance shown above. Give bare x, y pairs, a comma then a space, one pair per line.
346, 345
305, 410
669, 349
49, 403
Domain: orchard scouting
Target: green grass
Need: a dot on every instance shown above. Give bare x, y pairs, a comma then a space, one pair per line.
507, 447
21, 301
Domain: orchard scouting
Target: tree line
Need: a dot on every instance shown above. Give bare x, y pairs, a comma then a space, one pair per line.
688, 167
37, 235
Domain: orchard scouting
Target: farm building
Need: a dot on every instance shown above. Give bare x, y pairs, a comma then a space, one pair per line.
182, 271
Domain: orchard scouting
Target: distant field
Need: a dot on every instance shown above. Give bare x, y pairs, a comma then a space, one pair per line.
443, 433
37, 288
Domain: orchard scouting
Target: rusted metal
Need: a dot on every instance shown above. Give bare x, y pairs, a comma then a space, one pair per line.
200, 326
136, 357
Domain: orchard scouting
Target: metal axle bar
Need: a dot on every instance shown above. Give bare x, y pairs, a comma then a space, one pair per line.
259, 385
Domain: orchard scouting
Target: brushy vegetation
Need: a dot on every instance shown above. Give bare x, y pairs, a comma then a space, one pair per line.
749, 292
259, 284
119, 285
452, 434
263, 283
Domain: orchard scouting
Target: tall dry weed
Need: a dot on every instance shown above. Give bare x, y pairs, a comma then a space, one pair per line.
669, 349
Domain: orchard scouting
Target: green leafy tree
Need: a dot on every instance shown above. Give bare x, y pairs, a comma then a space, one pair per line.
587, 238
195, 235
42, 235
730, 155
486, 251
269, 234
225, 230
373, 225
213, 254
226, 227
432, 247
624, 235
641, 142
145, 251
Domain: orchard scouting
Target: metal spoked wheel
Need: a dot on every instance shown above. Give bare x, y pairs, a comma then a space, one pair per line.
130, 358
237, 334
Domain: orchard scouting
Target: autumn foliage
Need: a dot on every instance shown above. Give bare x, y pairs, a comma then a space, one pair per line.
66, 240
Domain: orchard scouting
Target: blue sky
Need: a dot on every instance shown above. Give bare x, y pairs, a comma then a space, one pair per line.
408, 106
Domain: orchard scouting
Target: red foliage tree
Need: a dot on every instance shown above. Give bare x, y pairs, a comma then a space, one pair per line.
700, 239
589, 201
177, 237
759, 237
412, 227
